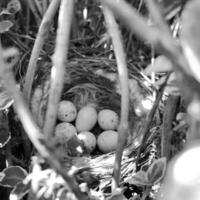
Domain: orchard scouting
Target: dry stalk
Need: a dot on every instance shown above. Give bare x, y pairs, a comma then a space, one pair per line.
39, 42
31, 128
145, 129
169, 115
115, 34
59, 62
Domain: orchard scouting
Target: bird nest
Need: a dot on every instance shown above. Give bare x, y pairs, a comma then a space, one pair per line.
95, 81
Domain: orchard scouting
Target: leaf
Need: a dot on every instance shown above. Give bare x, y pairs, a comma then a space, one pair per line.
190, 30
19, 191
13, 175
189, 36
156, 171
173, 90
2, 175
4, 12
13, 6
4, 137
172, 84
139, 179
161, 64
5, 99
5, 25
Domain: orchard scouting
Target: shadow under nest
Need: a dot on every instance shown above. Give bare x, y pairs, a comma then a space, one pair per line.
86, 82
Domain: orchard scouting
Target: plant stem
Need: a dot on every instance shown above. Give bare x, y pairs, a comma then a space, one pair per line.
145, 129
123, 78
169, 115
39, 42
59, 64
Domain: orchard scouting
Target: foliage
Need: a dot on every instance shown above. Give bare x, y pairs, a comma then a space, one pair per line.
151, 176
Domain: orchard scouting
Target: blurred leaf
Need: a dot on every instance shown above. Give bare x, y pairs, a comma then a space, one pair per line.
1, 175
189, 35
13, 175
161, 64
5, 12
5, 25
172, 84
4, 137
19, 191
173, 90
5, 99
190, 30
139, 179
156, 171
4, 129
13, 6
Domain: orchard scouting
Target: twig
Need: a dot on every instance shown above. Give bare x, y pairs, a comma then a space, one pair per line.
123, 78
32, 130
169, 114
59, 62
41, 37
145, 129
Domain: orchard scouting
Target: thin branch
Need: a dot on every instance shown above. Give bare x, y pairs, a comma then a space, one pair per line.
169, 115
59, 62
145, 129
123, 78
31, 128
39, 42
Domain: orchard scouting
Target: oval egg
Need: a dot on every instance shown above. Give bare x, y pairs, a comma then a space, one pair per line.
66, 111
88, 139
107, 141
64, 131
86, 119
108, 119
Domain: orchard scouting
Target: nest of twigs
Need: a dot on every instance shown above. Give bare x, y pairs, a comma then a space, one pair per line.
95, 81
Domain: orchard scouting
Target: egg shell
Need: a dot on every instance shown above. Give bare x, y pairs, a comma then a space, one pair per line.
86, 118
88, 139
64, 131
108, 119
107, 141
66, 111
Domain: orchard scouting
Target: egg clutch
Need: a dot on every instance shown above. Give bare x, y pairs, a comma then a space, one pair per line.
79, 124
